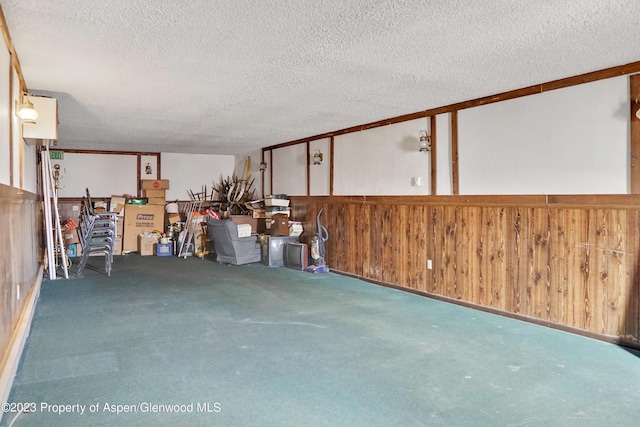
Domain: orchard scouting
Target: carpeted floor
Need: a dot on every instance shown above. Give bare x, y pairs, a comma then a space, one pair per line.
169, 341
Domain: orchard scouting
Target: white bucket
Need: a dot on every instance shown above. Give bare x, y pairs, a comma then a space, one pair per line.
172, 208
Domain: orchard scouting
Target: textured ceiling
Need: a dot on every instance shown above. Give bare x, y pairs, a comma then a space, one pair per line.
227, 77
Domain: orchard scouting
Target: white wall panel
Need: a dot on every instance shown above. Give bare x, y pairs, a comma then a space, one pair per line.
29, 168
290, 170
5, 120
382, 161
443, 153
319, 174
567, 141
16, 137
193, 171
102, 174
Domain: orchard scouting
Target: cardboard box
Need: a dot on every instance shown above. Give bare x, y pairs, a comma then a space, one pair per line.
70, 237
156, 201
244, 230
117, 246
280, 225
139, 219
117, 204
173, 218
159, 184
154, 193
246, 219
120, 227
146, 244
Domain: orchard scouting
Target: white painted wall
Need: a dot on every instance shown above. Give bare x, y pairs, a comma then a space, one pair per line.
193, 171
572, 140
102, 174
5, 111
16, 137
107, 174
29, 168
290, 170
568, 141
382, 161
443, 153
319, 174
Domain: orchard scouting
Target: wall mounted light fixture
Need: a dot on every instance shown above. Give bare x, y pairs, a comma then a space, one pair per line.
425, 141
317, 157
263, 166
26, 113
637, 103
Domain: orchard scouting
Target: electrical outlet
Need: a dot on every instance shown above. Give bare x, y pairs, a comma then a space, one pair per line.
429, 265
75, 208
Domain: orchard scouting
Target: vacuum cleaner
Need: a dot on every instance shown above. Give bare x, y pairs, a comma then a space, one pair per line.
318, 248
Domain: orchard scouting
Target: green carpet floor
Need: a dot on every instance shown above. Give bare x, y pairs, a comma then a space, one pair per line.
175, 342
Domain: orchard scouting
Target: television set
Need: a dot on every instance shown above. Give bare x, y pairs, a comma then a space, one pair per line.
273, 250
296, 255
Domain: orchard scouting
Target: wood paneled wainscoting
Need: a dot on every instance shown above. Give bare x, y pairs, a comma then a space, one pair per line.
21, 249
564, 261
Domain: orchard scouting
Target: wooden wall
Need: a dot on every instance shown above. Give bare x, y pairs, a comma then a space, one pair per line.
21, 248
568, 261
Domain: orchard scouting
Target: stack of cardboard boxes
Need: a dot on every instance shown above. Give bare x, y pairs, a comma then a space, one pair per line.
142, 219
155, 191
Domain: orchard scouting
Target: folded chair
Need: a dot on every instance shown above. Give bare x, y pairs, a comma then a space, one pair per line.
97, 233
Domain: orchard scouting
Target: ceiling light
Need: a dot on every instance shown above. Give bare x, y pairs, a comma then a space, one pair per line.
26, 112
425, 141
317, 157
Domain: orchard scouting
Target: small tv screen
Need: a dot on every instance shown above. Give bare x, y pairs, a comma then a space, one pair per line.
296, 255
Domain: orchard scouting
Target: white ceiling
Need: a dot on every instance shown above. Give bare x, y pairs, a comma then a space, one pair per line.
227, 77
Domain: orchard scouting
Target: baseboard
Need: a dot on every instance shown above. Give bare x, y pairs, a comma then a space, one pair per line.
11, 359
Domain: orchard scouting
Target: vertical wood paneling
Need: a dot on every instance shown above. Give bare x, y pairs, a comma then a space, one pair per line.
538, 277
364, 230
21, 248
632, 296
558, 280
388, 251
576, 266
617, 279
473, 283
601, 276
440, 255
420, 237
590, 271
449, 253
340, 242
518, 261
498, 267
462, 255
400, 244
377, 242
